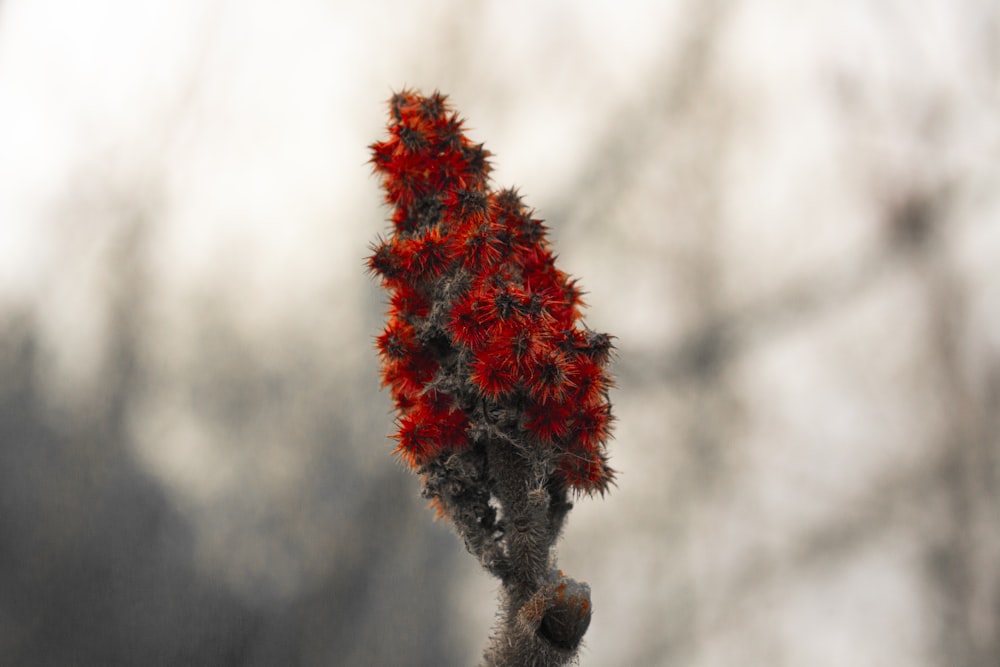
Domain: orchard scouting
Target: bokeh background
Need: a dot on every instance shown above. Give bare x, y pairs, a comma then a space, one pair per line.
787, 212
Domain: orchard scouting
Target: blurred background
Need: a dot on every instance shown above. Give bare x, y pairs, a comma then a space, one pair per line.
787, 212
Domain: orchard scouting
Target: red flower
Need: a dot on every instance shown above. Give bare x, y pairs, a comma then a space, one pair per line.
494, 378
407, 303
548, 422
482, 326
397, 342
550, 377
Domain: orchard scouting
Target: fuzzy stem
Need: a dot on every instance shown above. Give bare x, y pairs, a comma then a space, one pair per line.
543, 614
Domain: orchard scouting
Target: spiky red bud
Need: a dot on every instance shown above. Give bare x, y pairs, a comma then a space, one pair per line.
478, 310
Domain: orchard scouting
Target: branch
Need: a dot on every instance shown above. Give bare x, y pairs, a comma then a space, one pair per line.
501, 393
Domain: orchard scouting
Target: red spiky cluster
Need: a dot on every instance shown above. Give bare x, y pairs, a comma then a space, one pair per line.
483, 338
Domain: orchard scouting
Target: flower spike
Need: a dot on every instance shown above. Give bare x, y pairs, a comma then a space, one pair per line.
501, 393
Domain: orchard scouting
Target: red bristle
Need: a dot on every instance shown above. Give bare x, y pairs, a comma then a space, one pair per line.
592, 426
397, 341
494, 378
406, 302
550, 379
549, 422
